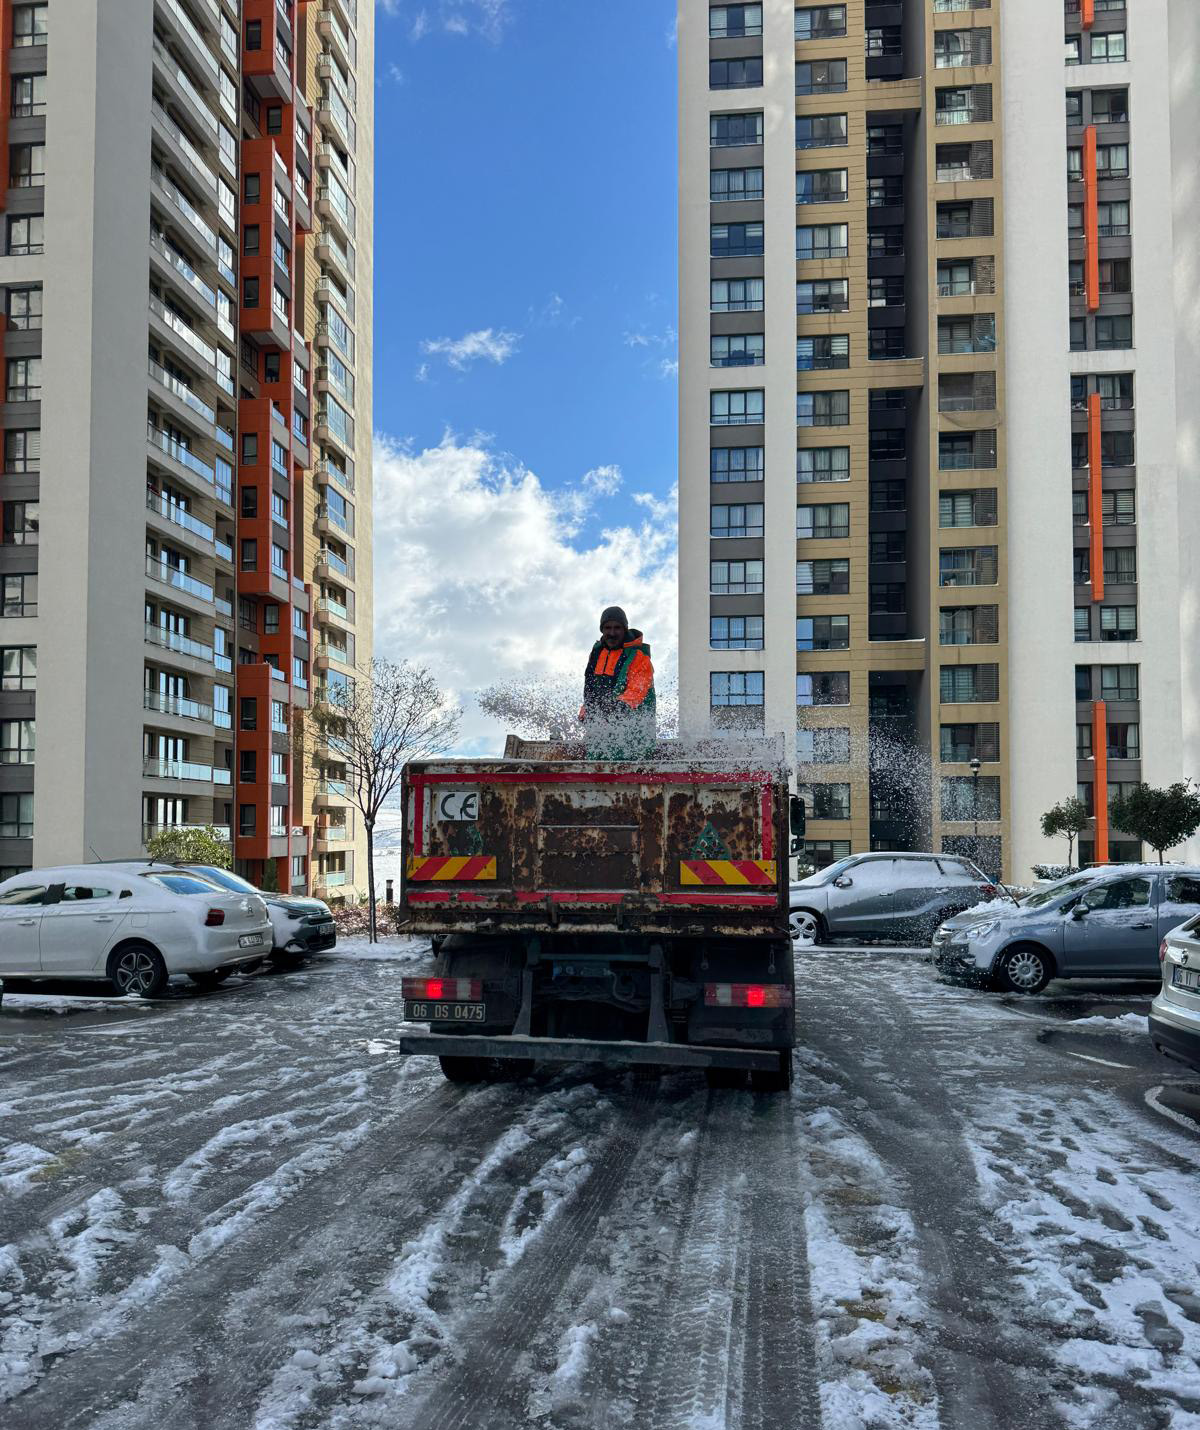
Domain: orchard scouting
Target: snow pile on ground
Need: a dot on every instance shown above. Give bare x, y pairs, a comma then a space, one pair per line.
1135, 1025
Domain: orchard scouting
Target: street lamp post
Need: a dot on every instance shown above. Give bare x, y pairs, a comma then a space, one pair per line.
975, 806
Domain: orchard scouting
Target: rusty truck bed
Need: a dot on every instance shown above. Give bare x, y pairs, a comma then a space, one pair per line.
554, 845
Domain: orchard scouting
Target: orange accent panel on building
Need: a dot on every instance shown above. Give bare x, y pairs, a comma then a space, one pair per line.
1095, 498
1091, 221
1088, 11
1100, 788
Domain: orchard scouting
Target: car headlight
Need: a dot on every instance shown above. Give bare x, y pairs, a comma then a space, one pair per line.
988, 926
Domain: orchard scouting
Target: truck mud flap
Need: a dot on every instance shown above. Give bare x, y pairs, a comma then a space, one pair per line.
584, 1050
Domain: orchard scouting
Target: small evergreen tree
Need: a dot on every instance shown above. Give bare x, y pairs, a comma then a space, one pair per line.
270, 877
191, 846
1162, 818
1069, 818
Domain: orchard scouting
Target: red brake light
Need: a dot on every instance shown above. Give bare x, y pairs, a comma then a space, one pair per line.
438, 990
1162, 951
214, 918
747, 995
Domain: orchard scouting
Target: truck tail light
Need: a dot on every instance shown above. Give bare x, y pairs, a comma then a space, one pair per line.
443, 990
214, 918
747, 995
1162, 951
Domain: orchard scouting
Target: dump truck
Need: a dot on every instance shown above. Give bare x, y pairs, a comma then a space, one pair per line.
614, 913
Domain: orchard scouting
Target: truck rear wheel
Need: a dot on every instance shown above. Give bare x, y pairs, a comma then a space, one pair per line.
466, 1069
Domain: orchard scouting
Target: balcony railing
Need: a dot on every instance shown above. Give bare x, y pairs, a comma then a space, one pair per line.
955, 116
176, 705
326, 605
329, 514
183, 268
178, 452
961, 288
182, 391
180, 77
171, 576
334, 787
182, 645
176, 770
334, 561
192, 158
178, 326
185, 207
332, 880
173, 512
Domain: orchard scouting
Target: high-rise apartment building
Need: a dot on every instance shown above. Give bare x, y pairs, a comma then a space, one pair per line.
939, 370
186, 494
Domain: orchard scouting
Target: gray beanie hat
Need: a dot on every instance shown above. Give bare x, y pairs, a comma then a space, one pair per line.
613, 613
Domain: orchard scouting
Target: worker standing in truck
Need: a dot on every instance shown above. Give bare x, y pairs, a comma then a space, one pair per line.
618, 693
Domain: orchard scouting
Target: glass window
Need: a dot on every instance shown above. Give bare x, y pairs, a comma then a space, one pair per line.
735, 185
822, 409
830, 519
736, 295
823, 295
823, 578
825, 687
1118, 682
735, 520
736, 464
19, 667
25, 307
744, 73
16, 817
823, 464
821, 131
736, 687
30, 26
966, 798
820, 22
27, 234
1108, 48
822, 186
735, 578
821, 77
822, 632
727, 22
726, 131
826, 801
730, 409
823, 240
1118, 623
736, 240
17, 742
735, 633
736, 350
816, 746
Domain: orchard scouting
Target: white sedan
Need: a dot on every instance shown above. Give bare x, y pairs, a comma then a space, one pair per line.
131, 925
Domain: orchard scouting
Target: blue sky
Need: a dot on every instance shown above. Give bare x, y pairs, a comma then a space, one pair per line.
525, 304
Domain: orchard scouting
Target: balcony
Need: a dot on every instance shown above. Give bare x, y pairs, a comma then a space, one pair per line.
331, 561
176, 705
197, 347
150, 830
179, 644
168, 445
326, 472
331, 251
182, 84
332, 789
177, 770
183, 392
183, 151
174, 513
334, 518
327, 607
179, 580
334, 879
330, 833
339, 40
334, 204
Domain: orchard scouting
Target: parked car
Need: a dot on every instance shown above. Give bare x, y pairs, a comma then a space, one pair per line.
131, 925
895, 895
1175, 1013
1099, 923
298, 924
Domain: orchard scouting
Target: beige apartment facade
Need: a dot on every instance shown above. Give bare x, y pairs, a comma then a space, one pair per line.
876, 543
167, 554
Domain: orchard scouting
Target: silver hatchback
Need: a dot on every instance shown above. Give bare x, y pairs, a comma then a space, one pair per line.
894, 895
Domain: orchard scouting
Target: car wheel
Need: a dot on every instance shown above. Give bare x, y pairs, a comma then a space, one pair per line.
777, 1081
466, 1069
211, 978
805, 927
285, 958
138, 968
1025, 969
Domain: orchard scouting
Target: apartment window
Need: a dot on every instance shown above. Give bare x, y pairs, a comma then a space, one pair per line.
823, 578
963, 451
1083, 682
279, 560
885, 192
1112, 161
734, 22
279, 460
254, 34
733, 409
746, 73
1116, 449
823, 464
736, 240
20, 523
954, 106
822, 409
816, 746
886, 241
249, 554
885, 343
26, 235
249, 292
888, 547
250, 238
736, 519
822, 186
822, 633
887, 598
1118, 623
819, 354
275, 119
23, 379
736, 350
1120, 566
17, 742
1108, 48
26, 166
971, 508
823, 687
823, 240
1081, 565
960, 743
821, 131
247, 767
953, 162
1124, 742
735, 578
824, 521
890, 495
736, 687
967, 566
25, 308
249, 501
1083, 623
251, 188
28, 95
1079, 508
826, 801
1118, 682
20, 595
736, 295
1072, 53
1112, 219
29, 25
735, 633
1110, 106
821, 77
16, 817
820, 853
18, 667
965, 798
735, 185
730, 131
279, 508
885, 292
1074, 106
22, 449
823, 295
1115, 275
820, 22
280, 302
1118, 508
249, 448
1114, 331
736, 464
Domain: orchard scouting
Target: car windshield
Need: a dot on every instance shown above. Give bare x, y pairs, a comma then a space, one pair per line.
226, 880
181, 883
1041, 897
831, 871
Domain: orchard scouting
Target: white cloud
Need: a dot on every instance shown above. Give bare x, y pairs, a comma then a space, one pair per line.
492, 344
395, 73
454, 17
484, 575
668, 367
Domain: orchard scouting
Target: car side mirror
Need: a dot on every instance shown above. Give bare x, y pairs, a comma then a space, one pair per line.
1079, 911
799, 816
843, 881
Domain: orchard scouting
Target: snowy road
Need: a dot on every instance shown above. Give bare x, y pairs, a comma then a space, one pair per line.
243, 1210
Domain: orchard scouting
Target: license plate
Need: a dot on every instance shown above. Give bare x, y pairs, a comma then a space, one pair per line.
250, 940
1188, 978
446, 1012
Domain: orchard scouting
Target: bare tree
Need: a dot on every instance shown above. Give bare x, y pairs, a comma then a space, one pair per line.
374, 724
